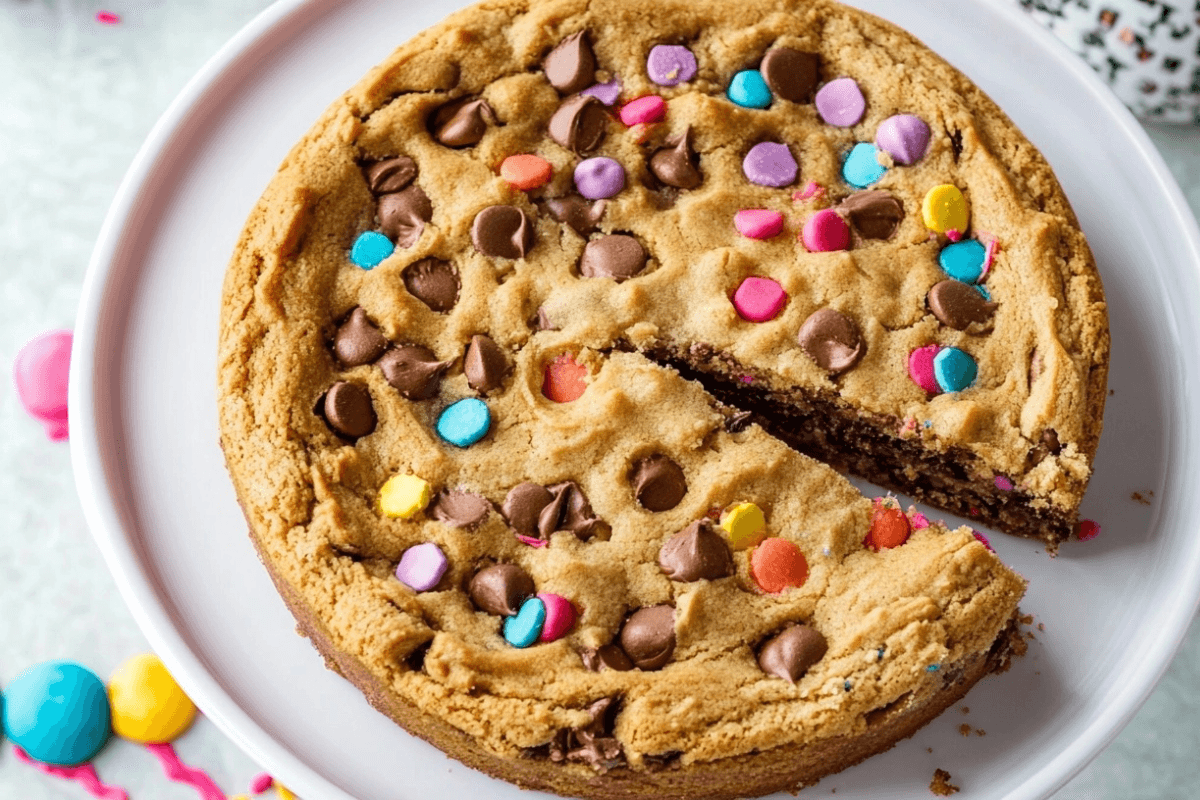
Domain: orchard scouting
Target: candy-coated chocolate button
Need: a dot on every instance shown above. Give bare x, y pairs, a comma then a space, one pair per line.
465, 422
954, 370
147, 704
825, 232
670, 64
370, 248
778, 564
644, 110
560, 616
421, 567
945, 209
40, 372
758, 223
606, 93
904, 137
403, 496
57, 712
770, 164
525, 171
920, 368
889, 528
749, 89
564, 380
525, 627
599, 178
759, 299
963, 260
840, 102
862, 167
745, 524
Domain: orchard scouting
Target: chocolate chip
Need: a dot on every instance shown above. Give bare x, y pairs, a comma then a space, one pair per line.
675, 165
569, 510
592, 744
503, 232
957, 304
1050, 441
463, 122
485, 364
658, 483
792, 652
542, 321
831, 340
523, 505
791, 74
402, 215
582, 215
615, 256
348, 409
648, 636
459, 509
607, 656
391, 174
875, 214
357, 341
696, 552
738, 421
413, 370
579, 124
571, 66
434, 282
500, 589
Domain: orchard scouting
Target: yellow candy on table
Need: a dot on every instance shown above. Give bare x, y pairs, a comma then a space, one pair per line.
404, 495
745, 525
284, 793
945, 209
147, 704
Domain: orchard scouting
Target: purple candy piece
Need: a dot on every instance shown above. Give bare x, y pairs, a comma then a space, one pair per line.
421, 567
905, 137
770, 164
599, 178
670, 64
840, 102
606, 93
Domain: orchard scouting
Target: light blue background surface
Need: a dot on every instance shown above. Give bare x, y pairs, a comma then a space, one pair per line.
76, 100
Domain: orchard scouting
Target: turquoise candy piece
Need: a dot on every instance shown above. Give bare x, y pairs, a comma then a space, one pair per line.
58, 713
525, 628
749, 89
370, 248
953, 369
465, 422
862, 168
963, 260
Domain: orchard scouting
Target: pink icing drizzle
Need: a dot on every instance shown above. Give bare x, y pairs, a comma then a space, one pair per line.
181, 773
260, 783
84, 774
40, 372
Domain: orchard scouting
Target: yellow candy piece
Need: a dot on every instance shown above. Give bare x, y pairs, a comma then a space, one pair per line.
284, 793
945, 209
404, 495
147, 704
745, 525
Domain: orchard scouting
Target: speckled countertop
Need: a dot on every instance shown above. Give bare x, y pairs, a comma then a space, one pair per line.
77, 98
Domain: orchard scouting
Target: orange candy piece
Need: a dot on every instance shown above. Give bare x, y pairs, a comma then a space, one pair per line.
889, 528
526, 171
564, 380
777, 564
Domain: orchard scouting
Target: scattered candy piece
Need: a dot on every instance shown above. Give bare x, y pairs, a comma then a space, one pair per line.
758, 223
957, 304
284, 792
791, 74
759, 299
811, 189
260, 783
564, 380
745, 524
422, 566
434, 282
501, 589
919, 521
889, 528
770, 164
523, 628
840, 102
526, 171
402, 496
792, 652
658, 482
179, 772
648, 636
571, 65
147, 704
748, 89
696, 552
84, 774
107, 18
57, 711
560, 616
370, 248
1003, 483
862, 167
982, 540
777, 564
825, 232
464, 423
1087, 530
670, 64
953, 369
945, 209
40, 372
963, 260
606, 93
599, 178
643, 110
832, 340
920, 368
904, 137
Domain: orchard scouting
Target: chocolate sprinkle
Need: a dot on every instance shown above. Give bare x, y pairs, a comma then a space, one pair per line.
357, 341
658, 483
831, 340
616, 256
485, 365
500, 589
875, 214
402, 215
390, 175
790, 654
791, 74
571, 66
459, 509
675, 165
503, 232
569, 510
523, 505
697, 552
348, 409
957, 304
579, 124
463, 122
648, 636
413, 370
434, 282
582, 215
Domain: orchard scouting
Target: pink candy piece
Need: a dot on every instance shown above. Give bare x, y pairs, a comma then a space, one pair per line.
107, 17
811, 189
919, 521
759, 299
1003, 483
606, 93
920, 368
40, 372
531, 541
421, 567
260, 783
758, 223
560, 616
647, 109
1088, 529
825, 231
983, 539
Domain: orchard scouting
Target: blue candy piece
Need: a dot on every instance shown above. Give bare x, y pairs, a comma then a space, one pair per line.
525, 628
465, 422
749, 89
953, 369
963, 260
58, 713
370, 248
862, 168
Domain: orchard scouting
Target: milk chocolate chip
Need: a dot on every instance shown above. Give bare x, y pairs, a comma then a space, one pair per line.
791, 74
459, 509
434, 282
648, 636
571, 66
348, 409
831, 340
675, 165
616, 256
485, 364
391, 174
569, 510
523, 505
592, 744
402, 215
792, 652
357, 341
582, 215
579, 123
875, 214
696, 552
957, 304
607, 656
500, 589
413, 370
463, 122
658, 483
503, 232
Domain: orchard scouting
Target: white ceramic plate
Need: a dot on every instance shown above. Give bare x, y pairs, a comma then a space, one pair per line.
151, 476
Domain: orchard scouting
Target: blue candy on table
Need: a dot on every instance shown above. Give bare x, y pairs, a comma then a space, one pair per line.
58, 713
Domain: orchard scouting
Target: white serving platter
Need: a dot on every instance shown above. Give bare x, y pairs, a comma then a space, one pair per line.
153, 483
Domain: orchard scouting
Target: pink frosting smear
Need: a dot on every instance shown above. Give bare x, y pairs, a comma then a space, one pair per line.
40, 373
181, 773
84, 775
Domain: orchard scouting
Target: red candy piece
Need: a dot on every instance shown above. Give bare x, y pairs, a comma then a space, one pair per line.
1088, 529
526, 171
777, 564
889, 528
564, 380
